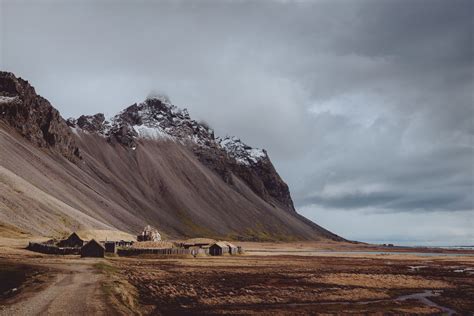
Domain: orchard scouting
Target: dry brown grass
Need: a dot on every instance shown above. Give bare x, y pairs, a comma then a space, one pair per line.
292, 284
105, 234
10, 231
381, 281
121, 295
199, 241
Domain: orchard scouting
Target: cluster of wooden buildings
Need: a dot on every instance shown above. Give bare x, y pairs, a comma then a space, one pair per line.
211, 247
223, 247
75, 244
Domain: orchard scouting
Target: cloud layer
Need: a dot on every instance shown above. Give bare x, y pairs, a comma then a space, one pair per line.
366, 107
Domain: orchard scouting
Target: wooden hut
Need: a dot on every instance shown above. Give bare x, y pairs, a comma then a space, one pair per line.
218, 249
74, 241
233, 250
93, 249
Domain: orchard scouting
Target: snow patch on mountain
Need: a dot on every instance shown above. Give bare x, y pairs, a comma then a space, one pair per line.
156, 133
242, 153
5, 99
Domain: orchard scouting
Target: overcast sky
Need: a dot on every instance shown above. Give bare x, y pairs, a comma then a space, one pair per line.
365, 107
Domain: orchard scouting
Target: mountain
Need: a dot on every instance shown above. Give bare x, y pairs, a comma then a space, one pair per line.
149, 164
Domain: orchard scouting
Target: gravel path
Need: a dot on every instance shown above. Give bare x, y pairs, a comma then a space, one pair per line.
75, 290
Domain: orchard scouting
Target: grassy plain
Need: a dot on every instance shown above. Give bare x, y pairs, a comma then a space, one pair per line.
271, 278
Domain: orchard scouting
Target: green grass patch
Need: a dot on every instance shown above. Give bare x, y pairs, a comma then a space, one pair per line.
105, 268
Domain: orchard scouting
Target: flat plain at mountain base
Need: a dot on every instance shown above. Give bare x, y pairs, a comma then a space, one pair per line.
281, 284
304, 285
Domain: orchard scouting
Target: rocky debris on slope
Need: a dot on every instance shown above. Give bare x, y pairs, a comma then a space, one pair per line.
34, 117
156, 118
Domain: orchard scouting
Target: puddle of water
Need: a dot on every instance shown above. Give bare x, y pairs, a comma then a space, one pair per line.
423, 298
416, 268
461, 269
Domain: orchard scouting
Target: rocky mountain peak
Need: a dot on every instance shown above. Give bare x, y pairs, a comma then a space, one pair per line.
157, 118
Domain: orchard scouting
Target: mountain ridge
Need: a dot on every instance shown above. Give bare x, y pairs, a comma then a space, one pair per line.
140, 168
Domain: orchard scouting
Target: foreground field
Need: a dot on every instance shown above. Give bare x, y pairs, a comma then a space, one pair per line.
303, 285
264, 281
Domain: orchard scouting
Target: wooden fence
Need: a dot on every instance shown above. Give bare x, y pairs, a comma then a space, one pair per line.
52, 249
153, 251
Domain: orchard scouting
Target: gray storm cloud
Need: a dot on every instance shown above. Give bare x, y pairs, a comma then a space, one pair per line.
366, 107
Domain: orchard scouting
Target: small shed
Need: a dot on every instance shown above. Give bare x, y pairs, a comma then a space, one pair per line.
74, 241
219, 248
233, 250
93, 249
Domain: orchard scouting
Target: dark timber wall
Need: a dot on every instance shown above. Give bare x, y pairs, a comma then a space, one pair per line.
52, 249
150, 251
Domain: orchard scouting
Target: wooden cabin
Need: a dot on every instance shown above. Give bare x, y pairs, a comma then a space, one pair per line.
219, 248
93, 249
73, 241
233, 250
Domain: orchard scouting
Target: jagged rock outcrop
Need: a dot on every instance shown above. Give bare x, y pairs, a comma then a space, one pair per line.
90, 123
34, 117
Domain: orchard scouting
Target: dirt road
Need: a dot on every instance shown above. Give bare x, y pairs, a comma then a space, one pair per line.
75, 290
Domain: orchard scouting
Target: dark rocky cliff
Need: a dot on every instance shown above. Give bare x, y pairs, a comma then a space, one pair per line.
34, 117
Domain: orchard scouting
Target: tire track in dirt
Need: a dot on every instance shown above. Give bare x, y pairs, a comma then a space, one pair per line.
75, 290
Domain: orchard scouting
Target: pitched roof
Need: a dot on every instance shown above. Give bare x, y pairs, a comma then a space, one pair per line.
76, 234
199, 241
221, 244
93, 241
230, 244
